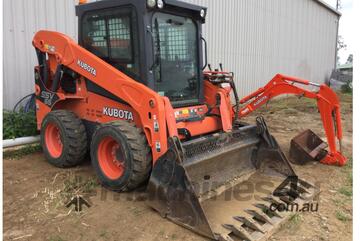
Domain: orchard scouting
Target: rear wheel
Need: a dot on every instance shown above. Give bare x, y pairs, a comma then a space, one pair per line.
120, 156
63, 138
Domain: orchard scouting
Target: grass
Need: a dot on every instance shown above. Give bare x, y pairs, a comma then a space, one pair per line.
349, 164
346, 190
103, 234
56, 238
350, 178
90, 185
289, 111
78, 185
23, 151
292, 223
292, 104
295, 219
346, 102
339, 202
340, 215
289, 106
136, 211
161, 233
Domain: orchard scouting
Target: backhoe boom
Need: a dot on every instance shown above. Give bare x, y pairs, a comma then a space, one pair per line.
327, 102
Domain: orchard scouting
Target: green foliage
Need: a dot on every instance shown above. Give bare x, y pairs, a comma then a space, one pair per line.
295, 218
56, 238
349, 170
347, 191
18, 124
18, 153
342, 216
103, 234
76, 184
347, 88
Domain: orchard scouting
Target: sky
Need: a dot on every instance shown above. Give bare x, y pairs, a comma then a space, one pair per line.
346, 29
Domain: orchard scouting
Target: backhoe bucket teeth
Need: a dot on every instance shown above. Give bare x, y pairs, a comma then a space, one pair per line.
223, 186
307, 147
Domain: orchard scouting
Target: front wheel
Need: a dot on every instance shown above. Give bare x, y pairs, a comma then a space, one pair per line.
120, 156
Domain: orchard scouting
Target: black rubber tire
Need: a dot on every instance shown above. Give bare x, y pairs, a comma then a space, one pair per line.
137, 155
73, 137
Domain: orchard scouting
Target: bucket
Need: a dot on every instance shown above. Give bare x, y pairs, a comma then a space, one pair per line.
307, 147
223, 186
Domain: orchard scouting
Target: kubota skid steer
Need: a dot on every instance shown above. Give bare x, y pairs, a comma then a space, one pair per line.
134, 93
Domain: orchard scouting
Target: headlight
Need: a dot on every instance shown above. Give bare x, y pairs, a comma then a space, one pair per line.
160, 4
202, 13
151, 3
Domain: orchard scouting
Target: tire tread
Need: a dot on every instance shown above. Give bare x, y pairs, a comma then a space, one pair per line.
75, 132
141, 153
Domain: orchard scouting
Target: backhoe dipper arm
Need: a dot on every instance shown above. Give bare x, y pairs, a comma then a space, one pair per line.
327, 101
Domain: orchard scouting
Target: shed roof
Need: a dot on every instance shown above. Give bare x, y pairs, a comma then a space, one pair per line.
328, 7
346, 66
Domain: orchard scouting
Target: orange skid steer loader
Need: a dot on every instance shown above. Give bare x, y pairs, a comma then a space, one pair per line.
134, 92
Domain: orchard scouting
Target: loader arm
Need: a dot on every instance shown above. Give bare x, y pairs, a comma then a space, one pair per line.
327, 102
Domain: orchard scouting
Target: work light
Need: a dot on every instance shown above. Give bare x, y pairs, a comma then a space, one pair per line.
202, 13
151, 3
160, 4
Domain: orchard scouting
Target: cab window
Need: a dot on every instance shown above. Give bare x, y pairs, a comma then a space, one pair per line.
111, 34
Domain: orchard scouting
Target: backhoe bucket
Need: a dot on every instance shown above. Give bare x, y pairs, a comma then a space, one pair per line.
307, 147
226, 186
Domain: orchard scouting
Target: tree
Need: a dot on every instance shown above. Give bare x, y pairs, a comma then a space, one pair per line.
340, 43
349, 59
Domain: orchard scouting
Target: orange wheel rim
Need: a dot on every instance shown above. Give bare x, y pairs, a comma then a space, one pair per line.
53, 140
110, 158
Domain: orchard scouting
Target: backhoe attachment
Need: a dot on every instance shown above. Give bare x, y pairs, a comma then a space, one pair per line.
327, 102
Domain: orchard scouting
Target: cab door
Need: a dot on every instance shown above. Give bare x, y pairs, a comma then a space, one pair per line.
112, 35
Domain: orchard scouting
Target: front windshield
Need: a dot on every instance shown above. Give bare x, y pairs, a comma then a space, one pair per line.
175, 62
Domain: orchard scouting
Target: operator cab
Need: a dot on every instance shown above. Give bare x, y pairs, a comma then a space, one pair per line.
155, 42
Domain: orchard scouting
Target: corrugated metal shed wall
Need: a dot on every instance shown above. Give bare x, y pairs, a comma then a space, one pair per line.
255, 38
259, 38
22, 18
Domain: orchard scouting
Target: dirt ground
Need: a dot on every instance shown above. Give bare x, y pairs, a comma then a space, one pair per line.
34, 193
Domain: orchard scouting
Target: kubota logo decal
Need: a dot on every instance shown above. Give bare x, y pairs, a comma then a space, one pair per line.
86, 67
245, 111
118, 113
262, 99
